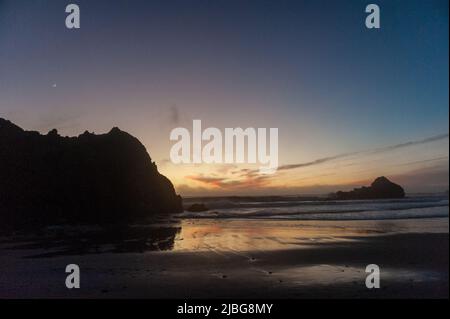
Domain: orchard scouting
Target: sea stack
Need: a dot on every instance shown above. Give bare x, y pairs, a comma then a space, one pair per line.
381, 188
99, 179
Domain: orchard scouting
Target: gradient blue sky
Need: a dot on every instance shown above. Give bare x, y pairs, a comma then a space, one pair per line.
310, 68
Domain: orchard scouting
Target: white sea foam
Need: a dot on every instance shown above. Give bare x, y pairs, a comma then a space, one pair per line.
415, 207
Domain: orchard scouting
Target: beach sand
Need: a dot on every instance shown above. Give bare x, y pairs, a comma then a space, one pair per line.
242, 259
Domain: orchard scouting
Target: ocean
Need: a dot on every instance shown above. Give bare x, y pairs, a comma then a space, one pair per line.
297, 208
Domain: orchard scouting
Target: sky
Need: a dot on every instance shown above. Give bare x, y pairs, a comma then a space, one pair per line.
350, 103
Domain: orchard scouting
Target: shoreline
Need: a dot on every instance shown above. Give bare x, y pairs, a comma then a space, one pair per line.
414, 264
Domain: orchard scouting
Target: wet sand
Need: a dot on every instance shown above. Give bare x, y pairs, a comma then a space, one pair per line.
308, 261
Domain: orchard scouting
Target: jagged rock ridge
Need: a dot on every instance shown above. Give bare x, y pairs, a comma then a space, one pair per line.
107, 178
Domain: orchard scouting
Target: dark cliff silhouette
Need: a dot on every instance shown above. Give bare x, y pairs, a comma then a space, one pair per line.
379, 189
99, 179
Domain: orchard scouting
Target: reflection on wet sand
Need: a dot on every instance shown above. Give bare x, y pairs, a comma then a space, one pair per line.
83, 240
231, 259
200, 235
251, 235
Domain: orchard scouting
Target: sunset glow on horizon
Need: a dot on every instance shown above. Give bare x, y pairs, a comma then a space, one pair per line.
350, 104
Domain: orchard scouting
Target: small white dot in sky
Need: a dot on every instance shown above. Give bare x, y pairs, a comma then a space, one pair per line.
54, 85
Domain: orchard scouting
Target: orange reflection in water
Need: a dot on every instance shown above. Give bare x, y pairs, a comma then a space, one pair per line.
251, 235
